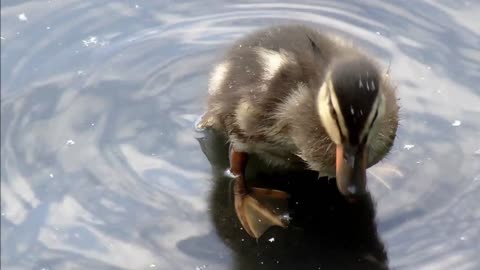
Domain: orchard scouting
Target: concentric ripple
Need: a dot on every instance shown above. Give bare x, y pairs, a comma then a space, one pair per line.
100, 165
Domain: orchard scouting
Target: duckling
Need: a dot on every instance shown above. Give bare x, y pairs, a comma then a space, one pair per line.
299, 98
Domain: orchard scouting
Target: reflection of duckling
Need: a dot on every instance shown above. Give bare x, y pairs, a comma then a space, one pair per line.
325, 232
298, 98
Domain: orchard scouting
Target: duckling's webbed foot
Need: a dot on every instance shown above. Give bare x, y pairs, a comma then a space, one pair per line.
258, 209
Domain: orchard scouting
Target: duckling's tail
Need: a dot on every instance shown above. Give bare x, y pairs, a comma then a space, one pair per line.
205, 121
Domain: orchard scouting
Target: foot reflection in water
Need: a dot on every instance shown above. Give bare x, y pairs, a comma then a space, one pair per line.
325, 231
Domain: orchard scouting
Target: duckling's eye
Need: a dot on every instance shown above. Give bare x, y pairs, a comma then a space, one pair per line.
332, 111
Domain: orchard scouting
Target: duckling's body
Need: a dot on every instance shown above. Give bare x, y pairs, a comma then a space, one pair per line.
269, 96
263, 96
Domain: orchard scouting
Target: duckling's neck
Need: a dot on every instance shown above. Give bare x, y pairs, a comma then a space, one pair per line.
306, 131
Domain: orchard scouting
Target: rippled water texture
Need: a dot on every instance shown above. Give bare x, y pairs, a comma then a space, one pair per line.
101, 168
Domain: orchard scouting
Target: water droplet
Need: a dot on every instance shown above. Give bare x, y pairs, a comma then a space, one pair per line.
271, 240
286, 217
152, 265
352, 189
463, 238
51, 175
89, 41
408, 146
456, 123
229, 173
22, 17
70, 142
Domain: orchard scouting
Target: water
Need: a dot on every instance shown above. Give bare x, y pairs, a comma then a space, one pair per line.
101, 168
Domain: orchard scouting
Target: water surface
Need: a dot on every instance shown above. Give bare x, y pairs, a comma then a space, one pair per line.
101, 167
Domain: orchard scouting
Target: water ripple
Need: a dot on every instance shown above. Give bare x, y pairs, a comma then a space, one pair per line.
126, 80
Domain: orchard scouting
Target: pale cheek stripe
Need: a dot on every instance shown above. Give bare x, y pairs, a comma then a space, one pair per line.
336, 107
325, 116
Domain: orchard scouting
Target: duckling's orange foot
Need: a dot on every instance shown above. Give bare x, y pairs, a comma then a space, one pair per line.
260, 209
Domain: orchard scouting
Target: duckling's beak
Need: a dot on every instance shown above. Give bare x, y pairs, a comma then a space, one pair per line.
351, 170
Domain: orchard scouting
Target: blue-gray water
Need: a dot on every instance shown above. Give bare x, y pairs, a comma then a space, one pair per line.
101, 167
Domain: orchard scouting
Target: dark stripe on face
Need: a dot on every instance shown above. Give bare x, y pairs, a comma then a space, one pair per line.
364, 139
374, 118
335, 117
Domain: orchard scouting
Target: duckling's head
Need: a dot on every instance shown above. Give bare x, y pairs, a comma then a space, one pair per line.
350, 104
